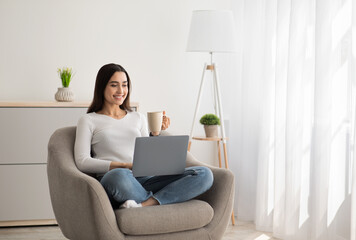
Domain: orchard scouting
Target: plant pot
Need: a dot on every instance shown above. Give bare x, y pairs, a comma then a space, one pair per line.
64, 94
211, 130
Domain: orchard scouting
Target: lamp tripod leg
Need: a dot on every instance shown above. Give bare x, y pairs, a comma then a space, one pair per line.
220, 111
197, 107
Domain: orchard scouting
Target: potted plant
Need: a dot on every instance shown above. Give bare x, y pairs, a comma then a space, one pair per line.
210, 122
65, 94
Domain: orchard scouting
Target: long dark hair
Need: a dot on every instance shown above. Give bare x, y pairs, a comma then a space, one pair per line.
102, 79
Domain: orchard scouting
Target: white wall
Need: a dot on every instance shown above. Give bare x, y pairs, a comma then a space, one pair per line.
147, 37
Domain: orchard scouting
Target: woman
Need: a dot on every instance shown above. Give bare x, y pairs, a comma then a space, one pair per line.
104, 146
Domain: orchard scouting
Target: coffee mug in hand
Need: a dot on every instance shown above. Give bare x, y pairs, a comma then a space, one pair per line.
155, 122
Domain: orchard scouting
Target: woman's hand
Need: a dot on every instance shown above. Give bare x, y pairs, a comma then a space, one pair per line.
128, 165
166, 121
120, 165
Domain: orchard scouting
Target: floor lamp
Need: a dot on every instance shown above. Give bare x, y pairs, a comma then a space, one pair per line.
212, 31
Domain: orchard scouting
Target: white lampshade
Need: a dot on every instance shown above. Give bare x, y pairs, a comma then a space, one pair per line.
212, 31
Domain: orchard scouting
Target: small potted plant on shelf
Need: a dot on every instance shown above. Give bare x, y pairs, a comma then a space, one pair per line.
210, 122
65, 94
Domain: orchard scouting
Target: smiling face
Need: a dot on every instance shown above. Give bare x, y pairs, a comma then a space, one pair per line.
117, 89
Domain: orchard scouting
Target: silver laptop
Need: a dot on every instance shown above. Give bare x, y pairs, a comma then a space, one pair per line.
161, 155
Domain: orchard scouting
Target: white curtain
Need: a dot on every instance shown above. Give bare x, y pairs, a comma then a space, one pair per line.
299, 58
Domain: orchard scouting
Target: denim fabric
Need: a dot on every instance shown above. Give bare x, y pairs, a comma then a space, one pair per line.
121, 185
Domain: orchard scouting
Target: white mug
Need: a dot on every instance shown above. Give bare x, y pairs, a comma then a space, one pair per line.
155, 122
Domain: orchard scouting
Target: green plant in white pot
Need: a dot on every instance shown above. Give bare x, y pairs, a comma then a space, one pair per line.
210, 122
65, 94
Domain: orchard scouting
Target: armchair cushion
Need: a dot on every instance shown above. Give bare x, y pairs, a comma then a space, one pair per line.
177, 217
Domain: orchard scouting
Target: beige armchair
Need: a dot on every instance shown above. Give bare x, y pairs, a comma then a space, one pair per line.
83, 210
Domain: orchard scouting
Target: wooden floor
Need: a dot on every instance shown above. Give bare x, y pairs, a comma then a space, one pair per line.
241, 231
244, 231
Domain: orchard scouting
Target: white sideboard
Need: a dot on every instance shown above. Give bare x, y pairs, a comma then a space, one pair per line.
25, 130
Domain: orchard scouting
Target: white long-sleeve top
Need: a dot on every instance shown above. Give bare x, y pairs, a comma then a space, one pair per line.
101, 139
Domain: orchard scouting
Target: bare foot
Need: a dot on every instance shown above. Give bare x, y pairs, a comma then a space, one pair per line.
150, 202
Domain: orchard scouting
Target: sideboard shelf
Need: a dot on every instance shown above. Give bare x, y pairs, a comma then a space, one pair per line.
25, 130
44, 104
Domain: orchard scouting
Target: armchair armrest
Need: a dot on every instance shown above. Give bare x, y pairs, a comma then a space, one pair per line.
220, 196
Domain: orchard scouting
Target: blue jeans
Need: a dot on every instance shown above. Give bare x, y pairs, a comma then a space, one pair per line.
121, 185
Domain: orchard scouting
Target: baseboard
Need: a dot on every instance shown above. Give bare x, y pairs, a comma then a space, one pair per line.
28, 223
